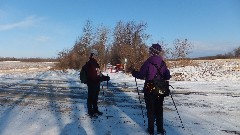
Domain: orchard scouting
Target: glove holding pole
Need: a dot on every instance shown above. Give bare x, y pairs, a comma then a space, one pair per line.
105, 78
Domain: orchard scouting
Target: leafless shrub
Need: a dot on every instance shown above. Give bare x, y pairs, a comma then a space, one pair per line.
129, 42
180, 51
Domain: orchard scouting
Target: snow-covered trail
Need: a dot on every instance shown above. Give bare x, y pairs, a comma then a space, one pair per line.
205, 107
54, 102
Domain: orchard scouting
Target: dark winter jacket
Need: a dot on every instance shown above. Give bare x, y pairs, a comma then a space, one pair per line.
93, 70
148, 70
93, 73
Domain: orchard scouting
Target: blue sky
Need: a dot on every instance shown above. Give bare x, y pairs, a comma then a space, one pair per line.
42, 28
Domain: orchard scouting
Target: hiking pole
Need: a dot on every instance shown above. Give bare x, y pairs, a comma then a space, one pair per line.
107, 82
140, 101
104, 96
107, 86
176, 108
102, 91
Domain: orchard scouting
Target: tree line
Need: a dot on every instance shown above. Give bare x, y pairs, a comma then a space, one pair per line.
28, 59
127, 40
234, 54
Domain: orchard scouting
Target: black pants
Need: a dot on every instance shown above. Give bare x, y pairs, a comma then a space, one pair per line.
154, 105
93, 92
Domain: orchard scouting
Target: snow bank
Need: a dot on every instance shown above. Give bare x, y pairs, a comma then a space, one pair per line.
215, 70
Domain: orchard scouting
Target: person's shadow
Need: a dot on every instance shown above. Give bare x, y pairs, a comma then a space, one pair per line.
73, 128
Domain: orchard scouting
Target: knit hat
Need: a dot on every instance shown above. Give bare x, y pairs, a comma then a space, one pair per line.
155, 49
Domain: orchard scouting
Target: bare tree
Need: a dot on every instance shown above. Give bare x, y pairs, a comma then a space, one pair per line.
129, 42
101, 44
181, 49
237, 52
77, 56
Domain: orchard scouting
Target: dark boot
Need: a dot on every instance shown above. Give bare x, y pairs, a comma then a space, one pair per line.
90, 112
162, 132
98, 112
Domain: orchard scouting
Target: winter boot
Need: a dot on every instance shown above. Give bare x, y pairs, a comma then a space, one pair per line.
98, 112
163, 132
90, 112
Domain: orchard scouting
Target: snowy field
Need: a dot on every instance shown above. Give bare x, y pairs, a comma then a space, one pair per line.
35, 100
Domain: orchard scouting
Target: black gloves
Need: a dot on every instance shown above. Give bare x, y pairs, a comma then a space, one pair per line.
134, 72
167, 82
105, 78
167, 93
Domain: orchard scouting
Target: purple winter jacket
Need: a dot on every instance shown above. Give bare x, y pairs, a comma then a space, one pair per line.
148, 71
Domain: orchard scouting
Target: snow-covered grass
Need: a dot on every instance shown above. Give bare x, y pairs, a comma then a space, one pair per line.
43, 102
18, 66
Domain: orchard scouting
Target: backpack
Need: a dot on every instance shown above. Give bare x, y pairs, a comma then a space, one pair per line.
157, 86
83, 74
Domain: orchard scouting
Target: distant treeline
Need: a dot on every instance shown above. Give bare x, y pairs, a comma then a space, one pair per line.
28, 59
219, 56
235, 54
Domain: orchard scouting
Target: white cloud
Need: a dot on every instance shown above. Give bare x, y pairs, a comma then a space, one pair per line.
26, 22
42, 38
214, 46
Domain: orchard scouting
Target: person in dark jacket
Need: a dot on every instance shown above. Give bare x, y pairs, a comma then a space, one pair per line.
154, 103
94, 76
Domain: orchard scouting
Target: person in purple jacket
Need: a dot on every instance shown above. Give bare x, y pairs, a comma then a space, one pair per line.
154, 103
